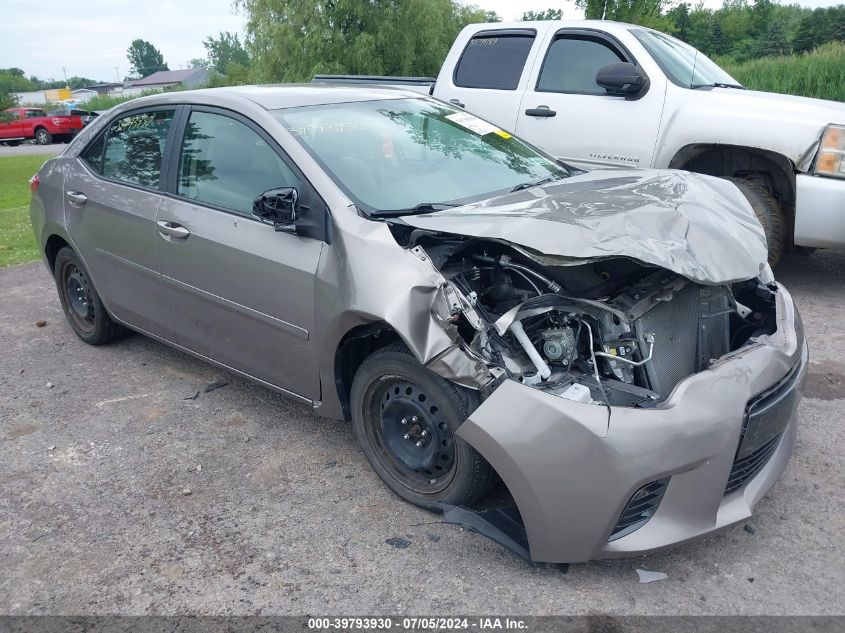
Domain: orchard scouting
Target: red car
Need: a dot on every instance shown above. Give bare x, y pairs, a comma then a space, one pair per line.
34, 123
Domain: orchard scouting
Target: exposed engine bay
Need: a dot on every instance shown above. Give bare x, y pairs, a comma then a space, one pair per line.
612, 332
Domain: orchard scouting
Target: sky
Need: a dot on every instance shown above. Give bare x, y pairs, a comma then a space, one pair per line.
89, 39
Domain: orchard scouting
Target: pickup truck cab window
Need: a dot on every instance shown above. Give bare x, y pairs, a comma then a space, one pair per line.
226, 164
31, 114
684, 65
572, 63
494, 59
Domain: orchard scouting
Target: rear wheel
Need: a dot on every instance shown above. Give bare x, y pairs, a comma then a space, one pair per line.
405, 419
768, 212
81, 304
43, 137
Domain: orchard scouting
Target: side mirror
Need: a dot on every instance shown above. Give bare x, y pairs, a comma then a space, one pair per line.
277, 207
622, 78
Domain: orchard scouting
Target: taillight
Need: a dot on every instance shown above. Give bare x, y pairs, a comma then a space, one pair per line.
34, 182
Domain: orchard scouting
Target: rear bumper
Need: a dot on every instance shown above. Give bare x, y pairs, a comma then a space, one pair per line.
819, 211
572, 471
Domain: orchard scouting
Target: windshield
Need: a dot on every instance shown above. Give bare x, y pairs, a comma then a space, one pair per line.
682, 63
401, 154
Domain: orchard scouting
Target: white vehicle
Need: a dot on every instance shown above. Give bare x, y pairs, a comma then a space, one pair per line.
600, 94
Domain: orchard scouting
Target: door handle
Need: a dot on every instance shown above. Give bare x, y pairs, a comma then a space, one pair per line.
456, 102
76, 197
172, 229
541, 111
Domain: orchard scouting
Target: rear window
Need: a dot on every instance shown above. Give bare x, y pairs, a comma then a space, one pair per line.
494, 60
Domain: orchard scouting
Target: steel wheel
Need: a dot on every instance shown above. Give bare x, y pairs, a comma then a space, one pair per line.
416, 440
405, 418
42, 137
78, 296
81, 304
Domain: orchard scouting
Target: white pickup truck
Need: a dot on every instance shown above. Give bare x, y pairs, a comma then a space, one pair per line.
600, 94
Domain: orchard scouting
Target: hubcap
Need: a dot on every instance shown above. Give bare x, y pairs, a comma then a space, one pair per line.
416, 437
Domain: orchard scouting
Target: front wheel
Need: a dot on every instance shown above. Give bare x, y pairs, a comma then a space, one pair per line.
43, 137
405, 419
81, 304
768, 212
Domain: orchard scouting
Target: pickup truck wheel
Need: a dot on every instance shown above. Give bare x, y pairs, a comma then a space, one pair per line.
43, 137
82, 306
405, 419
768, 211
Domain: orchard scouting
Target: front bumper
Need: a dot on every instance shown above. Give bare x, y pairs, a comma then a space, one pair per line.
572, 469
819, 211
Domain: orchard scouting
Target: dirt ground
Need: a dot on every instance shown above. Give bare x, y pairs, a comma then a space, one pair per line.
119, 494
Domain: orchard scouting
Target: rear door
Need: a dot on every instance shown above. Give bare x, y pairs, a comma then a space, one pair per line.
111, 196
489, 74
566, 113
242, 292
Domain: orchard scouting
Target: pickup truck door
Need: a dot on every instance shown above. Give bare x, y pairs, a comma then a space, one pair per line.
488, 72
13, 128
567, 114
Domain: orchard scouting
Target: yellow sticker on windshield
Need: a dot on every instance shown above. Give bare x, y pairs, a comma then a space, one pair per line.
503, 134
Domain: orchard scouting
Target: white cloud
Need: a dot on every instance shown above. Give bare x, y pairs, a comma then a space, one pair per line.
91, 38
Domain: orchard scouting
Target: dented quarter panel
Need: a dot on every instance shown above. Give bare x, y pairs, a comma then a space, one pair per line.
680, 221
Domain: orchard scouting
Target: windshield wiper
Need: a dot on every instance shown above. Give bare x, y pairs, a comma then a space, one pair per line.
536, 183
717, 84
422, 207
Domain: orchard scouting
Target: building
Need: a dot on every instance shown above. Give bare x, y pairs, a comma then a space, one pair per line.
163, 79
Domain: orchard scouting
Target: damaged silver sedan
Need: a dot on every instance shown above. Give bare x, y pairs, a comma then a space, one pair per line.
607, 354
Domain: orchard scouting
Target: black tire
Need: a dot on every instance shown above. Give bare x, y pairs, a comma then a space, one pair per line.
83, 308
768, 211
392, 386
43, 137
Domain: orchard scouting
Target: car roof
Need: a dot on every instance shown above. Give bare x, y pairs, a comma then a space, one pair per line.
275, 97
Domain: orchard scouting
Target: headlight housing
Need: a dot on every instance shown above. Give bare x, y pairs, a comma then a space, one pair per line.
831, 158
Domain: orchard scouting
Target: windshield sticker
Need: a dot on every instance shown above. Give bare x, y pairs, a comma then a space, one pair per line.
473, 123
503, 134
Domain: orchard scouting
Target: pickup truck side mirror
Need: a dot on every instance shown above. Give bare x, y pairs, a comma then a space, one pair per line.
622, 79
277, 207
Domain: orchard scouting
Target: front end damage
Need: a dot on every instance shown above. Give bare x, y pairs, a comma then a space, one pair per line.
628, 407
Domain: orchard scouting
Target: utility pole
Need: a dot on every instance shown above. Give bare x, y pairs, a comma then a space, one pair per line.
116, 75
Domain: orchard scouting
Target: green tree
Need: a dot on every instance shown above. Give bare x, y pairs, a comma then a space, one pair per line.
225, 51
644, 12
7, 101
144, 58
291, 40
548, 14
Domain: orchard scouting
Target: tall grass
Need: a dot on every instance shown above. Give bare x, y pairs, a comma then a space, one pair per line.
104, 102
819, 74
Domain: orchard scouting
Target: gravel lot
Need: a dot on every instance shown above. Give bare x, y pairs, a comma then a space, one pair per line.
119, 495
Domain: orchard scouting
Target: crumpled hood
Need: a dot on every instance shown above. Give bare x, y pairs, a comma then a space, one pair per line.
697, 226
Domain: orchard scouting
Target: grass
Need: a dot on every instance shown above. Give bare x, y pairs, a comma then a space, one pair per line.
819, 74
17, 241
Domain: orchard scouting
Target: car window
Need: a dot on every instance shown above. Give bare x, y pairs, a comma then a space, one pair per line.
491, 61
133, 148
227, 164
572, 63
390, 155
31, 114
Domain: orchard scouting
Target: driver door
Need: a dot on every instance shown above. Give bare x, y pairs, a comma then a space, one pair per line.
242, 294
